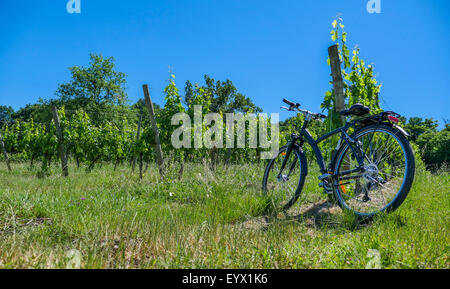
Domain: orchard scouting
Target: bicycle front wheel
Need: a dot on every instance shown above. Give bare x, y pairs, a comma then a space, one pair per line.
386, 177
282, 186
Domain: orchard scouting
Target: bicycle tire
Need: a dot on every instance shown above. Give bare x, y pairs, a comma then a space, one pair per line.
302, 172
408, 178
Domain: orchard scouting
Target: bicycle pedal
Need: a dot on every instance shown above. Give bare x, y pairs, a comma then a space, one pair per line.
326, 187
324, 177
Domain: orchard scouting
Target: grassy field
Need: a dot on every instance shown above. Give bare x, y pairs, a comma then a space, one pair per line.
206, 220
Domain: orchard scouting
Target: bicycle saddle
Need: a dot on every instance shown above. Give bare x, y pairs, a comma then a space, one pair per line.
356, 109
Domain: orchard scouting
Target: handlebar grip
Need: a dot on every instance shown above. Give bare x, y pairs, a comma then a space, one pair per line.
290, 103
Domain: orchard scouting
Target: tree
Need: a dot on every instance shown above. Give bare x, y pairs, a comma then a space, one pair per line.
39, 112
416, 126
224, 95
6, 113
98, 88
435, 146
98, 83
141, 109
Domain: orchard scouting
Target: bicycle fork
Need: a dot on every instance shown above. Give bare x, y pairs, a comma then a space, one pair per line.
291, 145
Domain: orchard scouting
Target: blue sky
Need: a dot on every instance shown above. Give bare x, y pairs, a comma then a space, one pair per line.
269, 49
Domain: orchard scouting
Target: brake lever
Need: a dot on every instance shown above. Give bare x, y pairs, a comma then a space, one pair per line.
288, 109
320, 117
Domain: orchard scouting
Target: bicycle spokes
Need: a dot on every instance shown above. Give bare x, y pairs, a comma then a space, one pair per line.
281, 182
374, 185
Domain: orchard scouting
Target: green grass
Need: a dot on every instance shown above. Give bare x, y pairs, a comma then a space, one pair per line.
206, 220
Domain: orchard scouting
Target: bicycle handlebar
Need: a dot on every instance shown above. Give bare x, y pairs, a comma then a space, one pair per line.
291, 104
307, 113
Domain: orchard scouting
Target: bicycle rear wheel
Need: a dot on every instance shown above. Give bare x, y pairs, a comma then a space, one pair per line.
386, 177
283, 187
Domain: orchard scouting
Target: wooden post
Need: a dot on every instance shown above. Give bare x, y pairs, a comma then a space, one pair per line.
213, 158
338, 85
338, 82
62, 151
138, 135
180, 172
158, 150
140, 165
5, 153
140, 153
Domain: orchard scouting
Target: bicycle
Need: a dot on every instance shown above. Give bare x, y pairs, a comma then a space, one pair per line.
370, 171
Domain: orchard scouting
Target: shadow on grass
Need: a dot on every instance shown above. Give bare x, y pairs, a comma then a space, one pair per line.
319, 216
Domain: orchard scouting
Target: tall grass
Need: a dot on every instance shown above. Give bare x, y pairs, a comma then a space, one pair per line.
206, 220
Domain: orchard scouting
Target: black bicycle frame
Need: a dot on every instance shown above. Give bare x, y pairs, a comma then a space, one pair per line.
305, 134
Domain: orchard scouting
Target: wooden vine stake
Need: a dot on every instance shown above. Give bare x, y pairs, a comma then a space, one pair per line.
140, 153
62, 150
338, 81
138, 135
158, 150
338, 85
5, 153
